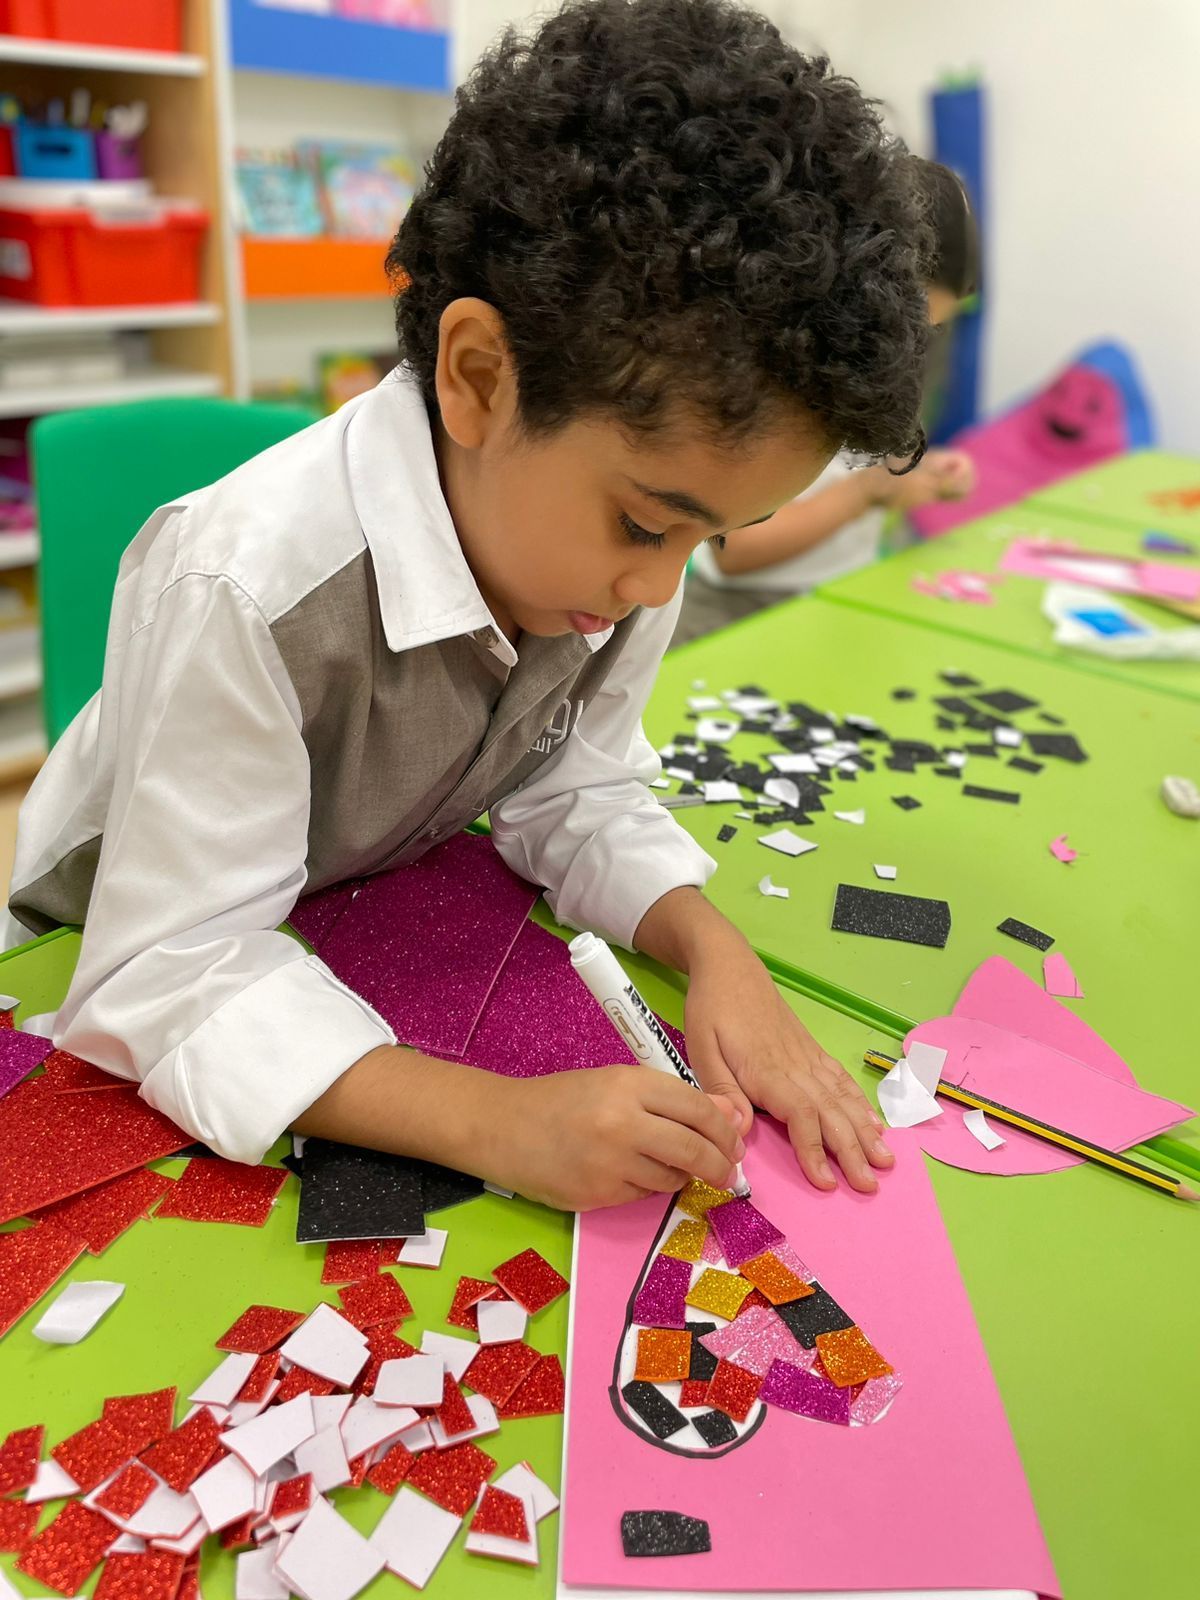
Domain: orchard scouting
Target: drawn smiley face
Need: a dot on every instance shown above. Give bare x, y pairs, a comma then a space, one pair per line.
1079, 416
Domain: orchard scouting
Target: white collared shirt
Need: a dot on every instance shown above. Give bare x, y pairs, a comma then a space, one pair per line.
192, 765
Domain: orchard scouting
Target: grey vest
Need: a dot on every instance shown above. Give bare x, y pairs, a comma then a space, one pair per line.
405, 748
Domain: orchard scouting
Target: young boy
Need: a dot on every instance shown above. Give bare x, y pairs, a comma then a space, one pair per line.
451, 597
836, 526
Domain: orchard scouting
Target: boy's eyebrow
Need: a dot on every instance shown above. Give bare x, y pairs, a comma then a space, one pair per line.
688, 506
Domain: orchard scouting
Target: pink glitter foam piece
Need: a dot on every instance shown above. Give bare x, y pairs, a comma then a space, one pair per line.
793, 1389
784, 1252
874, 1398
710, 1250
425, 944
730, 1339
743, 1231
19, 1054
660, 1300
773, 1342
540, 1019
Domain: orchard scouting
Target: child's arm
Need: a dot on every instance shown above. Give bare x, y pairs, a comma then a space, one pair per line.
804, 523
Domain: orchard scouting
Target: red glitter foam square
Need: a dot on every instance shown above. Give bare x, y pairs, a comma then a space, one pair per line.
95, 1452
499, 1368
358, 1469
733, 1390
500, 1513
17, 1524
468, 1293
128, 1493
189, 1589
32, 1260
182, 1456
530, 1280
384, 1345
68, 1549
375, 1302
212, 1190
291, 1496
298, 1380
57, 1145
19, 1457
392, 1469
151, 1415
542, 1394
262, 1376
147, 1575
67, 1074
351, 1260
693, 1394
100, 1215
240, 1533
454, 1413
260, 1329
452, 1478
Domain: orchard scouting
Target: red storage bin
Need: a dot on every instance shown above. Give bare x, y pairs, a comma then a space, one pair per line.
126, 24
77, 257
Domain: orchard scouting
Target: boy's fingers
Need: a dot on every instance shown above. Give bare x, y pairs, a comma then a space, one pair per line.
717, 1079
655, 1176
865, 1123
679, 1103
686, 1151
841, 1139
804, 1130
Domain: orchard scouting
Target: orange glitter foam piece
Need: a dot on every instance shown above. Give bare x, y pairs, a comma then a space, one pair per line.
542, 1394
260, 1329
57, 1145
351, 1260
375, 1302
18, 1523
733, 1390
777, 1282
498, 1369
530, 1280
101, 1215
69, 1548
849, 1357
19, 1457
663, 1355
452, 1478
213, 1190
145, 1575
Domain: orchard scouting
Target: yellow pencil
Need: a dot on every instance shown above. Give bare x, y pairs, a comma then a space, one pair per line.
1112, 1159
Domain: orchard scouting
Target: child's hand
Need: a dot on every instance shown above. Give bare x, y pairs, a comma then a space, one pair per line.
956, 475
745, 1044
579, 1140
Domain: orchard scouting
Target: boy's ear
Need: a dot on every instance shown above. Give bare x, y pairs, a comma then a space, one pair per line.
476, 385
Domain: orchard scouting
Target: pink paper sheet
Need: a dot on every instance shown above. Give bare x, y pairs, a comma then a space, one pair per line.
1059, 976
1037, 558
425, 944
1031, 1053
931, 1497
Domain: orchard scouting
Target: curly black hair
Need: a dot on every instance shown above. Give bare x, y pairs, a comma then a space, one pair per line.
667, 204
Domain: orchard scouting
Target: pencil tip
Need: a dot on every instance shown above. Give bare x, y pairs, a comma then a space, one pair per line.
1185, 1193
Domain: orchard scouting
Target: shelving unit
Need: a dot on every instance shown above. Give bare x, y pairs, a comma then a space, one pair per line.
195, 348
289, 269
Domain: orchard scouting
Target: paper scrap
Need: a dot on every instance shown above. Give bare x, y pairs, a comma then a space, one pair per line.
787, 842
858, 817
1059, 977
765, 886
904, 1099
721, 790
976, 1124
882, 871
424, 1249
716, 730
799, 761
76, 1311
785, 790
1061, 850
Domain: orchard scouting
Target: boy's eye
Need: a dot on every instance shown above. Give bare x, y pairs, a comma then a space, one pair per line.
718, 539
637, 534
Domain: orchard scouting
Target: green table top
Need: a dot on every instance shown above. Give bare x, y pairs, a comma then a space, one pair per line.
1095, 1400
1123, 913
1015, 618
1120, 490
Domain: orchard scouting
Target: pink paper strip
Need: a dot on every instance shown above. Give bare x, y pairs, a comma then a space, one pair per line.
802, 1503
1000, 995
1061, 850
1059, 978
1050, 561
19, 1054
425, 944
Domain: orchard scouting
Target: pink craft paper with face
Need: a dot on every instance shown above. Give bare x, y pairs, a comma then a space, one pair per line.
1000, 999
1055, 560
802, 1502
1073, 424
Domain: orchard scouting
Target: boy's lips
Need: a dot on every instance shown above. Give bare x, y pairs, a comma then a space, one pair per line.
588, 622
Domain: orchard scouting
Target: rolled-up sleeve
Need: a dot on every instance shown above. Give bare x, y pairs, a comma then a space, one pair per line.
586, 825
183, 981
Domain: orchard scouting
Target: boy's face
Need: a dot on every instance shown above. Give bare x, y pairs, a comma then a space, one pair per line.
569, 533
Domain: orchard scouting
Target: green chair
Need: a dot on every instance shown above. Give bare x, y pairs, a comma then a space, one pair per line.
98, 475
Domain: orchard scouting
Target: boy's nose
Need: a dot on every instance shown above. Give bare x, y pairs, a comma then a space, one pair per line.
652, 585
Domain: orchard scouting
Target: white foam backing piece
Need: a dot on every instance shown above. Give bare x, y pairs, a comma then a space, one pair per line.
522, 1479
413, 1535
367, 1425
424, 1249
73, 1314
524, 1551
501, 1321
327, 1559
224, 1493
274, 1434
221, 1386
411, 1381
327, 1344
457, 1353
324, 1456
256, 1579
485, 1421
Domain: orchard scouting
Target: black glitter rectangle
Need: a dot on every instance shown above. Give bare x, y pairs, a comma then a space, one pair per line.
664, 1533
715, 1428
948, 772
1006, 700
349, 1193
727, 832
1022, 764
976, 793
946, 723
959, 680
1048, 716
816, 1313
1026, 934
882, 914
655, 1410
906, 802
703, 1363
1063, 745
904, 694
980, 749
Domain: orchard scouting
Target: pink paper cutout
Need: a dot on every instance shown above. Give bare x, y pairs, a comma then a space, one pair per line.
1003, 1000
425, 944
1058, 560
20, 1053
1061, 850
1059, 978
965, 1520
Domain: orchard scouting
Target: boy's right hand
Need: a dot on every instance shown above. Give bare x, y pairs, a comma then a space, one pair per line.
581, 1140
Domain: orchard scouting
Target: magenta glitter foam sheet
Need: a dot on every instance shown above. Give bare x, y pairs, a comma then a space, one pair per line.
19, 1054
424, 944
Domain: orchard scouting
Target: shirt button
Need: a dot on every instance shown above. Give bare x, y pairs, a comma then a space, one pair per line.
435, 833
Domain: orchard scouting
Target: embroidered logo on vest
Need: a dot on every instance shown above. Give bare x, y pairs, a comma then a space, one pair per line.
559, 726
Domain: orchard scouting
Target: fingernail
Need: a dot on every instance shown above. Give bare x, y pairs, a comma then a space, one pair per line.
877, 1120
739, 1149
825, 1172
881, 1150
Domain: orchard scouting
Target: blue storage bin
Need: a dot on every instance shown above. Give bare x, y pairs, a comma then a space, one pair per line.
54, 152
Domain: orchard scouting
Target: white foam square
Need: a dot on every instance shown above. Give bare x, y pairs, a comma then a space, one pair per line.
327, 1559
327, 1344
501, 1321
413, 1535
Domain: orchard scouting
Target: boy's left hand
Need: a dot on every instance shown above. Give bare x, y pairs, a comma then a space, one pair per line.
746, 1045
